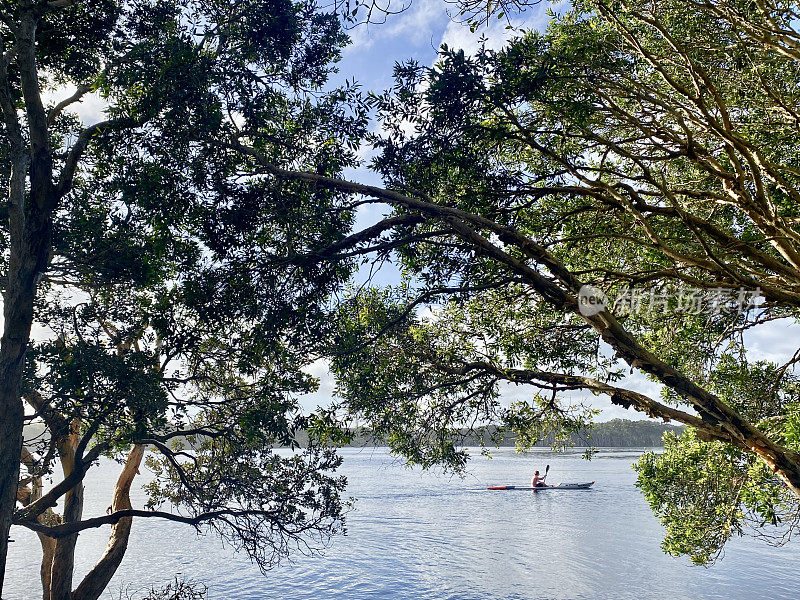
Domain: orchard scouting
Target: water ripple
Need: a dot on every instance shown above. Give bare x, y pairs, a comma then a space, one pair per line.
426, 536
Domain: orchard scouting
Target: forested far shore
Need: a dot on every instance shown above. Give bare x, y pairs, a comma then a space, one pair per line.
617, 433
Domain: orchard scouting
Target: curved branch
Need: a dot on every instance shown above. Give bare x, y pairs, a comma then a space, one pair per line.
618, 395
50, 499
53, 113
67, 176
59, 531
98, 578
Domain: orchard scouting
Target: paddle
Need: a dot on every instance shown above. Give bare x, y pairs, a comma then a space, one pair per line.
546, 469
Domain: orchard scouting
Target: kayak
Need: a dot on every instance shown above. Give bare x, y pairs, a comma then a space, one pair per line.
563, 486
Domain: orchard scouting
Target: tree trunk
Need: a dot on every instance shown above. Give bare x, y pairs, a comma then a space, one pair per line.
99, 577
11, 414
48, 543
18, 317
31, 233
48, 551
63, 563
30, 226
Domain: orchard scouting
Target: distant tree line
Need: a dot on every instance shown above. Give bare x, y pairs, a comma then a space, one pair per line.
617, 433
622, 433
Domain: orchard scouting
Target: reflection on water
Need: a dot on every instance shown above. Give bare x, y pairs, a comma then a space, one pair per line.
417, 535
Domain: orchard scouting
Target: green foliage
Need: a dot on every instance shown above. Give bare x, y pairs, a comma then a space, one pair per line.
539, 419
424, 383
177, 301
706, 492
121, 393
635, 145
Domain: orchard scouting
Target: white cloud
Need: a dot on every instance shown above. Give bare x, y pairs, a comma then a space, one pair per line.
417, 25
420, 22
776, 341
494, 37
90, 109
325, 394
495, 34
321, 370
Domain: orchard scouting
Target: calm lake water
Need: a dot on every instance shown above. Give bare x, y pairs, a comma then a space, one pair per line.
422, 535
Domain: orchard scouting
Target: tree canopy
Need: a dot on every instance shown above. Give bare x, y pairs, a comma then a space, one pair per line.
185, 253
143, 247
636, 148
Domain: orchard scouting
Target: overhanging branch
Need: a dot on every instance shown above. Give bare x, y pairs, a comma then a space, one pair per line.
66, 529
562, 295
76, 152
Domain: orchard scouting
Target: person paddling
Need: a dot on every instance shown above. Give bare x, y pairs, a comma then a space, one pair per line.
538, 481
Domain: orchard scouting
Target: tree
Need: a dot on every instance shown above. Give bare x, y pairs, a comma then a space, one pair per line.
635, 146
144, 244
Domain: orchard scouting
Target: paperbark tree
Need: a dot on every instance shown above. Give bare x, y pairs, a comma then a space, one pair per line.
635, 145
141, 244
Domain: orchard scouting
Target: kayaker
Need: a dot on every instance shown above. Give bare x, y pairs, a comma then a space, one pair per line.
538, 481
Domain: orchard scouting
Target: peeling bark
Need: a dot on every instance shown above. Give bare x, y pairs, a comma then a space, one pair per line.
63, 563
98, 578
48, 544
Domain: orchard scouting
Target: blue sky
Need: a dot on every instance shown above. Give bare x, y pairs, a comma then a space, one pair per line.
417, 33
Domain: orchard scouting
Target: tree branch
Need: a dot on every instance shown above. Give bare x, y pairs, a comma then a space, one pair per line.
75, 153
59, 531
53, 113
710, 408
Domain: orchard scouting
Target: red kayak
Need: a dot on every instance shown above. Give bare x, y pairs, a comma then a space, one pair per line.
563, 486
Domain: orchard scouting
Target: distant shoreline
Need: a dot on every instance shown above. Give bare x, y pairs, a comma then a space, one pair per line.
617, 433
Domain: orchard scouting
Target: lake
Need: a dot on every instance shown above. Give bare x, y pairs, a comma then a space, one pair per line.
426, 535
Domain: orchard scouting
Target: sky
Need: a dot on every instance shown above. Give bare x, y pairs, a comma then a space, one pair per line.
417, 33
